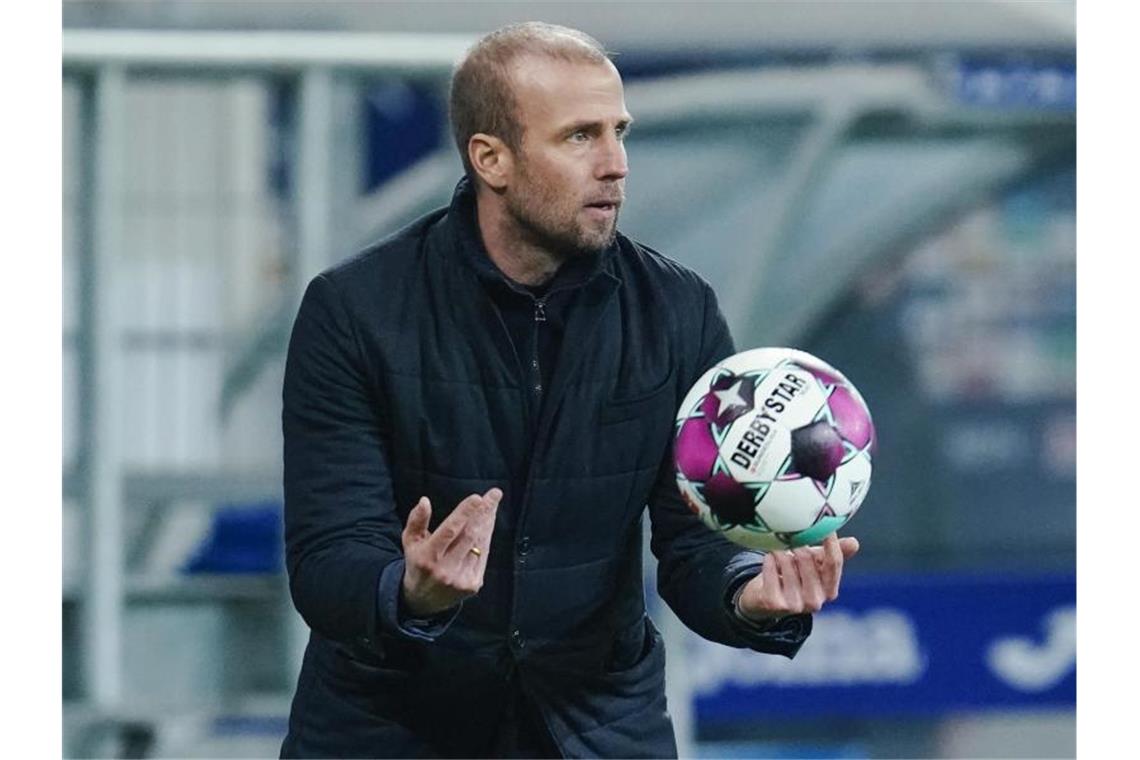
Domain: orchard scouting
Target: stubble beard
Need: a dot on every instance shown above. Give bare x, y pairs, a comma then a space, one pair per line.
543, 225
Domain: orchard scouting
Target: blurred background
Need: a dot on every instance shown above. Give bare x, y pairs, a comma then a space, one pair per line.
890, 186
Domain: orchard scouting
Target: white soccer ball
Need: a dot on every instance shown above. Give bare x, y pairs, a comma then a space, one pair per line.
773, 448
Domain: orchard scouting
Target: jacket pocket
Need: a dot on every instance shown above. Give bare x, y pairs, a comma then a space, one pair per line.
632, 645
358, 675
621, 408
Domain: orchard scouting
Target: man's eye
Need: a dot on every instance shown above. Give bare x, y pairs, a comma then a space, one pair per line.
579, 136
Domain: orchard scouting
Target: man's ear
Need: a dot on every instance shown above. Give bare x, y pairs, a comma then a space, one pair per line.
491, 159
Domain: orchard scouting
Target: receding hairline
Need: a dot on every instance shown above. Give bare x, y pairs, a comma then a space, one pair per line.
517, 69
483, 97
509, 48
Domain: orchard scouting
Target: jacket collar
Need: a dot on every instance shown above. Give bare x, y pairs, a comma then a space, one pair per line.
469, 243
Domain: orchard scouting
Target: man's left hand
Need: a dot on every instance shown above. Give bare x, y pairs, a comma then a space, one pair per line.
795, 581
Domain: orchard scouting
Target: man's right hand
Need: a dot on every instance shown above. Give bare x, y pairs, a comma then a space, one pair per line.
443, 568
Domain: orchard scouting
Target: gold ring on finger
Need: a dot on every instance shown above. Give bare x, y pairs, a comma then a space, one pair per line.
476, 551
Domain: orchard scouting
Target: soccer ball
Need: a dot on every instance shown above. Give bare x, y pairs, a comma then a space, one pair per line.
773, 448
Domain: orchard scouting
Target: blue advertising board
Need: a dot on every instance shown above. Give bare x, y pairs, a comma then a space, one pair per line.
1009, 83
907, 645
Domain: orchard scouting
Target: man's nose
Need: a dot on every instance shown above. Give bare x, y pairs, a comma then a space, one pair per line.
612, 163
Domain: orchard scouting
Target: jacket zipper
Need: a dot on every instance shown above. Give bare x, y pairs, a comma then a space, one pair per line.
539, 316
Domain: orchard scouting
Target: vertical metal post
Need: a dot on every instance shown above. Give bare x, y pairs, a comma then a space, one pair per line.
346, 162
104, 614
314, 175
678, 682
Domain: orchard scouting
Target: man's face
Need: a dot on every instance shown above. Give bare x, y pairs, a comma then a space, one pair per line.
569, 175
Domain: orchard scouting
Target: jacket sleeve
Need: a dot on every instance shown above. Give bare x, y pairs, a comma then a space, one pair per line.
342, 528
699, 571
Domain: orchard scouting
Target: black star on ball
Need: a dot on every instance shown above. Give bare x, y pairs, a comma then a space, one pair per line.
729, 501
817, 450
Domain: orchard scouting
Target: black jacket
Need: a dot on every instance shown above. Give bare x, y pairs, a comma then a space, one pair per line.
403, 380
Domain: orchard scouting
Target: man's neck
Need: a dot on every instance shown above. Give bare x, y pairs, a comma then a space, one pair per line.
520, 260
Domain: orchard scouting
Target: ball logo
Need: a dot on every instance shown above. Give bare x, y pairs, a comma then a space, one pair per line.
757, 433
751, 443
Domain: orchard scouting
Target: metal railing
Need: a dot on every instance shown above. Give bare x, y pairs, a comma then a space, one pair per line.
103, 63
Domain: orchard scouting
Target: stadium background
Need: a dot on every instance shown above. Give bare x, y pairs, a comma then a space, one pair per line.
888, 185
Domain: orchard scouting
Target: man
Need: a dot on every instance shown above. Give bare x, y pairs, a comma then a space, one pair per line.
477, 411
